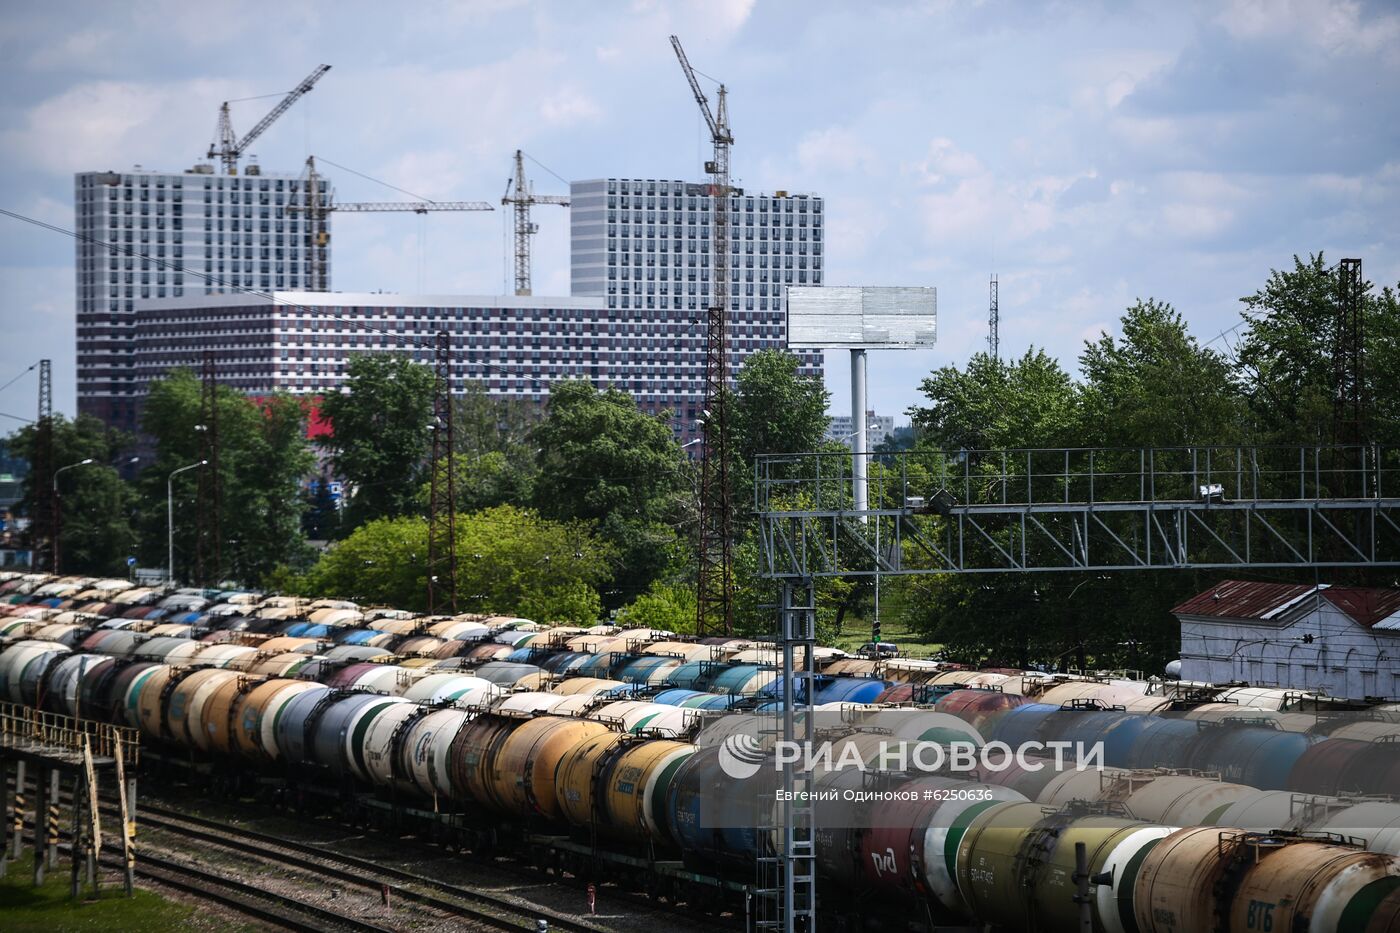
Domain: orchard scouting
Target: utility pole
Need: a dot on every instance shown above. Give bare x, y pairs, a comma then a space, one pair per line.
715, 585
442, 499
993, 324
524, 228
43, 516
1349, 356
209, 504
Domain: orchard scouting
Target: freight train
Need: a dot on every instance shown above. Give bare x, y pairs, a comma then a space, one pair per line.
600, 751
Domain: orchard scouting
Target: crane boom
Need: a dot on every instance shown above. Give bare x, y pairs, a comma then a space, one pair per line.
318, 202
417, 207
228, 150
695, 88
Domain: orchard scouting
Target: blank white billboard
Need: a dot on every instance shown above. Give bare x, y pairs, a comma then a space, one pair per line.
832, 317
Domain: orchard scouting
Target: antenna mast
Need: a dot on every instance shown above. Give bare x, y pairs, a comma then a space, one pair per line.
993, 324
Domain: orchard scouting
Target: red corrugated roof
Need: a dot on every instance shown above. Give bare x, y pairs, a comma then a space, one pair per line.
1366, 606
1241, 599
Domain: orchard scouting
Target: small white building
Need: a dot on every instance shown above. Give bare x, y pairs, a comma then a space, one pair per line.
1342, 640
878, 428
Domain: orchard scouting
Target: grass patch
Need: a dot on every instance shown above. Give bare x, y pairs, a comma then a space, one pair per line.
48, 909
856, 632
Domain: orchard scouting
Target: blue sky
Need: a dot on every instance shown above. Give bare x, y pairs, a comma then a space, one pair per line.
1088, 153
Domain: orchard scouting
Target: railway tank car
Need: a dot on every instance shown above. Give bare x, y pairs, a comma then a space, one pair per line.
610, 776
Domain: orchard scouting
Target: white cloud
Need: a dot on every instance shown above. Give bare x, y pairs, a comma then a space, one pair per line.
83, 127
835, 149
945, 160
1337, 27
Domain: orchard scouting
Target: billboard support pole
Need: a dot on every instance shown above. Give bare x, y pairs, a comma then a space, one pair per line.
860, 437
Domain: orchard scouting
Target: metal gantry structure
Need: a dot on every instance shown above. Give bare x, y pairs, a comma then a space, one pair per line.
1057, 510
715, 576
521, 200
318, 203
228, 148
1081, 509
442, 498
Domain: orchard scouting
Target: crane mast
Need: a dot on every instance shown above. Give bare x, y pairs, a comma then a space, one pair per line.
714, 580
317, 205
521, 200
228, 148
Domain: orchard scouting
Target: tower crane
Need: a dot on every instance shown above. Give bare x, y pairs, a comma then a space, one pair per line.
715, 583
317, 205
227, 147
524, 229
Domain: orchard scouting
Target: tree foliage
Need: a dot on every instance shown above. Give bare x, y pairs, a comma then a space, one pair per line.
380, 434
1156, 386
1153, 385
1286, 355
509, 561
263, 459
1030, 402
601, 460
96, 506
774, 409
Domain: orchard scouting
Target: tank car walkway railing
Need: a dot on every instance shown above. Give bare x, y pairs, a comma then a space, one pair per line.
62, 738
1080, 509
63, 749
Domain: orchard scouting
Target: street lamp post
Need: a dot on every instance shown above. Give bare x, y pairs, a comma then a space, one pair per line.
170, 518
57, 510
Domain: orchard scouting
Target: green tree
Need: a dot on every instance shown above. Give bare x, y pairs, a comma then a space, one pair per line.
509, 561
1156, 386
1286, 355
380, 434
603, 461
496, 464
96, 505
774, 409
1030, 402
670, 607
263, 457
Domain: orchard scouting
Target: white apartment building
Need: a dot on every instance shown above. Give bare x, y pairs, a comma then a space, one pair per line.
878, 428
644, 245
301, 342
151, 235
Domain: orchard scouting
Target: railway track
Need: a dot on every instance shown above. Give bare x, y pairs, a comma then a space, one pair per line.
279, 910
283, 910
483, 907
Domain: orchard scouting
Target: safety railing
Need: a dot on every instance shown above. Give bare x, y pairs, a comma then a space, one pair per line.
23, 727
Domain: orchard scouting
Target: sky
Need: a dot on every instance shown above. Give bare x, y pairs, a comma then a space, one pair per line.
1089, 154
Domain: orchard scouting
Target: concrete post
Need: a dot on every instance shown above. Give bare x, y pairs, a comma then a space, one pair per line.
5, 805
41, 808
860, 480
55, 792
17, 826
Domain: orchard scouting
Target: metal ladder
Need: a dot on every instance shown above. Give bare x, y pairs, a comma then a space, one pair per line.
787, 879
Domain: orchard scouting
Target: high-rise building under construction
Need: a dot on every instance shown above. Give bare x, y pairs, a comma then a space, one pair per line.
150, 235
